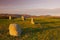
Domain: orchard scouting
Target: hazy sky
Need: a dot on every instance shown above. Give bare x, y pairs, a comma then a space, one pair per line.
21, 6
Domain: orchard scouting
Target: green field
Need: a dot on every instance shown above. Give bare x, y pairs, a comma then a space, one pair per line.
43, 29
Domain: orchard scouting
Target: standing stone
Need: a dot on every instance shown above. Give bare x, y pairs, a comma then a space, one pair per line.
32, 21
22, 18
14, 30
9, 17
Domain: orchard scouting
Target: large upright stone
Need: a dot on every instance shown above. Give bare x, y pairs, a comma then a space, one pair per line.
14, 30
32, 21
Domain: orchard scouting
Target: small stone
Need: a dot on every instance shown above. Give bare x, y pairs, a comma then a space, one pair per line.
32, 21
10, 17
22, 18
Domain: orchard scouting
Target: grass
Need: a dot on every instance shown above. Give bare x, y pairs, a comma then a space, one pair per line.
43, 29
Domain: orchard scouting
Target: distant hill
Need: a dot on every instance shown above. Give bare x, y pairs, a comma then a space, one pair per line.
6, 16
13, 15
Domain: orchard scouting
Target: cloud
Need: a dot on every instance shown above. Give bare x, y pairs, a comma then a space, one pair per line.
54, 12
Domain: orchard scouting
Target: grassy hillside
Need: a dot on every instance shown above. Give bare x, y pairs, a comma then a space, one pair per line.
43, 29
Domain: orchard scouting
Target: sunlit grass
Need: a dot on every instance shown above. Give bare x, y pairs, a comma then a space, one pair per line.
43, 29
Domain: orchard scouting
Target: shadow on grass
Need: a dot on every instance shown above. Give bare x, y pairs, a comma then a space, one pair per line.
35, 30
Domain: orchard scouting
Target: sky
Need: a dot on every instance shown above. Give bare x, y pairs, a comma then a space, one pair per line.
32, 7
